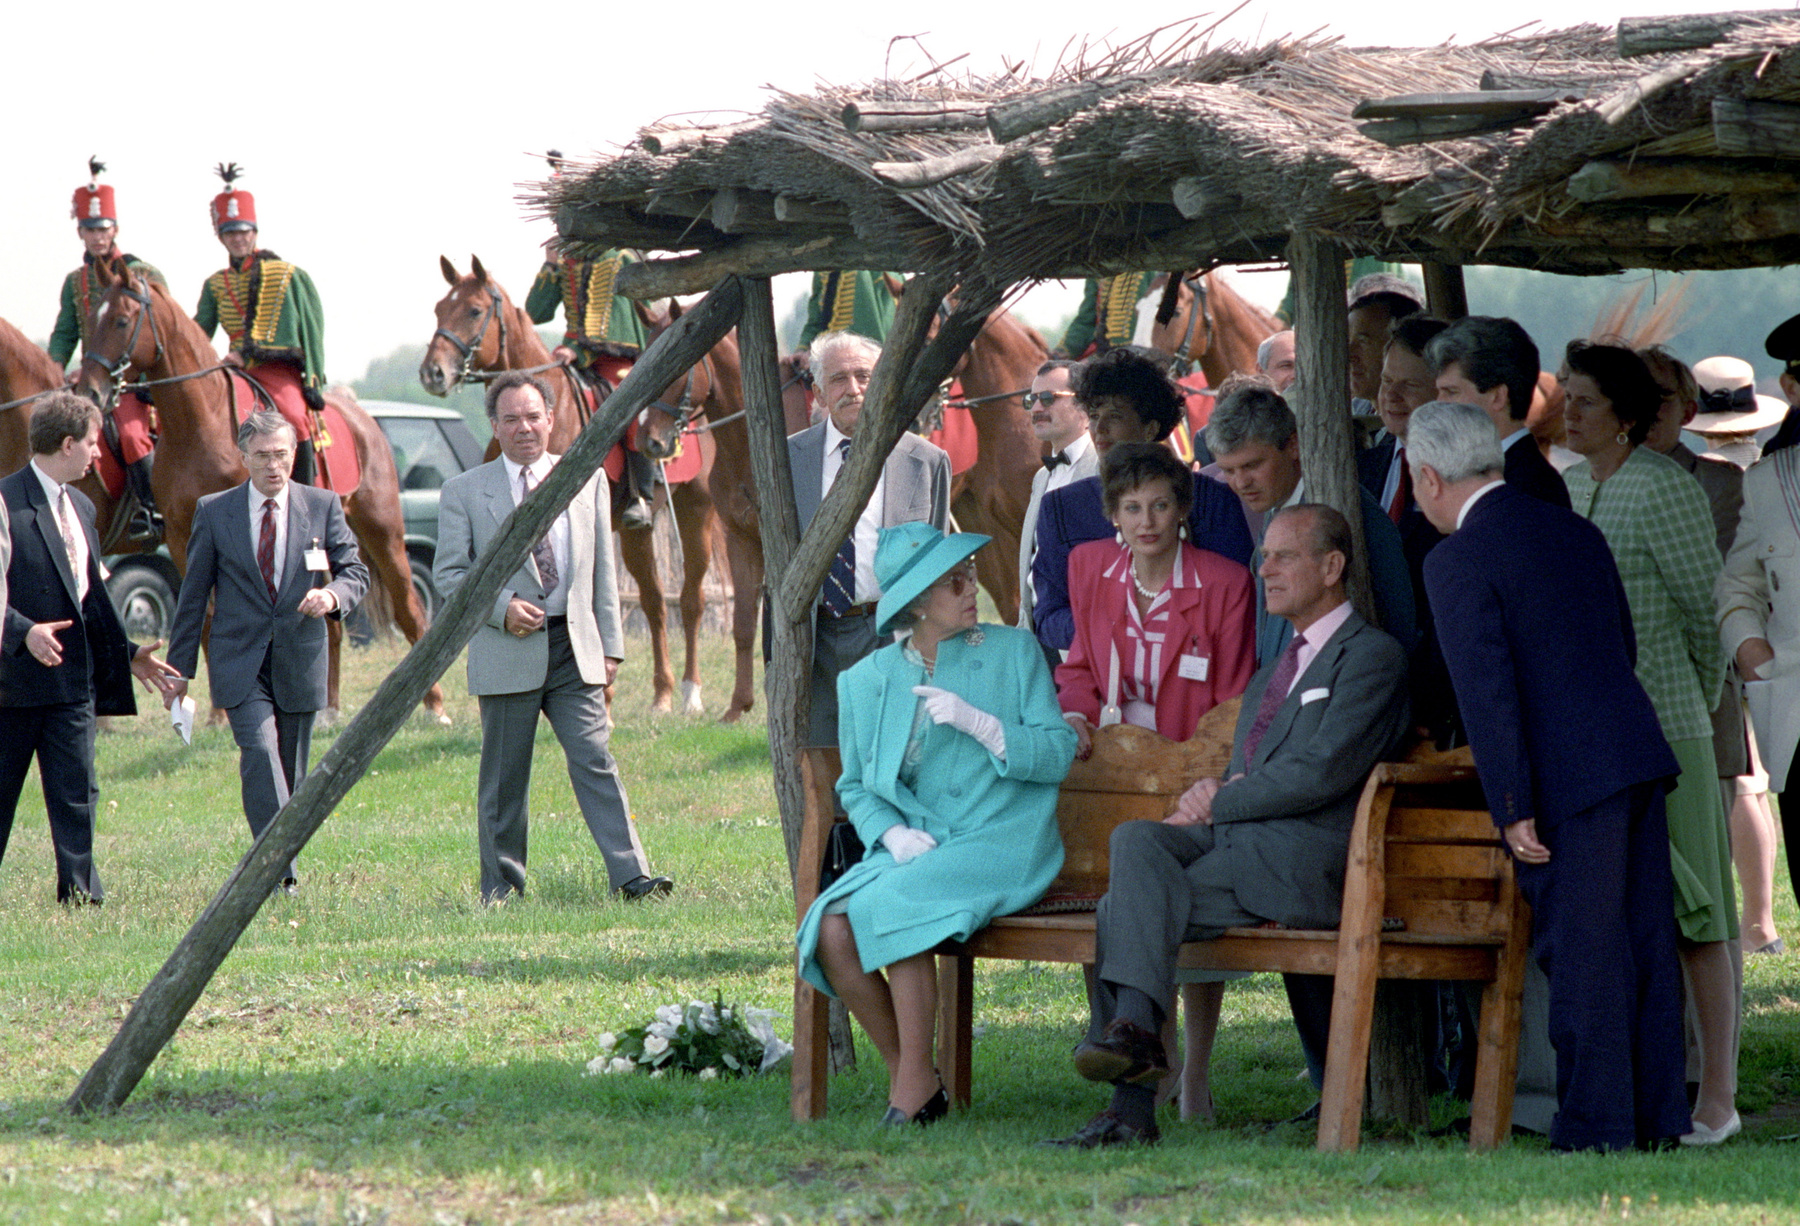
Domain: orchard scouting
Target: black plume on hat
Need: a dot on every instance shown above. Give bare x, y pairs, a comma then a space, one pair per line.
555, 158
228, 171
95, 166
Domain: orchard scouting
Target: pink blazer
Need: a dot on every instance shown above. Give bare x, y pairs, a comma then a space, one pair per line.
1214, 618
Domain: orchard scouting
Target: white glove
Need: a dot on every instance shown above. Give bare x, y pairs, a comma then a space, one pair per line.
906, 843
946, 708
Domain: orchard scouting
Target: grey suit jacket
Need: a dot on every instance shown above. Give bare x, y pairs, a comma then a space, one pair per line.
246, 624
915, 479
1086, 465
1284, 828
471, 510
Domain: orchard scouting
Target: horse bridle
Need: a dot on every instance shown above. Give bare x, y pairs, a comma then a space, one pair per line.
115, 373
683, 413
468, 349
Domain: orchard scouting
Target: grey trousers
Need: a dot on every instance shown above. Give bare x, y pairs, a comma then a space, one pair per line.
273, 749
577, 714
838, 642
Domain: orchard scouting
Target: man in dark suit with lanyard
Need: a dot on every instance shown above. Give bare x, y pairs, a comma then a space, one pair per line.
1574, 765
65, 656
276, 558
1266, 842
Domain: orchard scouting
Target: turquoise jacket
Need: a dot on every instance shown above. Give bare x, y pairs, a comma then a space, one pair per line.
994, 819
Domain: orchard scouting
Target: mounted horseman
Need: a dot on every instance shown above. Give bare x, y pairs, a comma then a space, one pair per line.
1108, 314
272, 318
127, 429
602, 336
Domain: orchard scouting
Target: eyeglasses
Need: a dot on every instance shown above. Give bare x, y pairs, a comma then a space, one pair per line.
960, 579
1045, 398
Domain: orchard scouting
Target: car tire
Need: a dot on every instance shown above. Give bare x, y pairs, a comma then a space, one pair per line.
145, 601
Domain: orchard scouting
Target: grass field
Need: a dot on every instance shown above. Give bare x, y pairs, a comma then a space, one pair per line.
382, 1049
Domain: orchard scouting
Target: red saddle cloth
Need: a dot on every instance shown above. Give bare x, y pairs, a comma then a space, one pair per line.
334, 454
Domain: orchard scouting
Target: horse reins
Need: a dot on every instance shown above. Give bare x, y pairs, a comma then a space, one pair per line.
468, 349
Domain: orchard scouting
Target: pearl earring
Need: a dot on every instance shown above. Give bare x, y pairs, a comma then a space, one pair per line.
1119, 536
1181, 530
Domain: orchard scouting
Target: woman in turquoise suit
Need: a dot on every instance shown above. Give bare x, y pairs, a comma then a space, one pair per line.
953, 746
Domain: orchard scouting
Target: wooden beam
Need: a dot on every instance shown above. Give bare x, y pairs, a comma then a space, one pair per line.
612, 226
1637, 179
685, 205
1010, 120
739, 210
1496, 79
1197, 196
1743, 128
1415, 131
1492, 103
757, 257
796, 210
1446, 297
881, 115
673, 140
1659, 35
172, 991
910, 176
1321, 394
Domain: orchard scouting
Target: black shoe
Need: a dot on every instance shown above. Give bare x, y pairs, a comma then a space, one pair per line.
1107, 1129
936, 1108
638, 514
643, 887
1308, 1116
1125, 1052
290, 886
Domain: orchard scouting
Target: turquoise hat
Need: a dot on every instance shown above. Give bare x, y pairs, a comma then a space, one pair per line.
910, 558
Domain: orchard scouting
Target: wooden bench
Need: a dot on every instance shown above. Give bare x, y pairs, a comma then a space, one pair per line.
1424, 855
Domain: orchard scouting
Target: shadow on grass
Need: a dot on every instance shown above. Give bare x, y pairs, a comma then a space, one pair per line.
611, 965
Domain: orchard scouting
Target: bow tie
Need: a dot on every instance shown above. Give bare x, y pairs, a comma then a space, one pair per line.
1051, 461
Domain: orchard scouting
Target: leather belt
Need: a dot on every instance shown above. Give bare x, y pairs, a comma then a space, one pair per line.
556, 619
866, 609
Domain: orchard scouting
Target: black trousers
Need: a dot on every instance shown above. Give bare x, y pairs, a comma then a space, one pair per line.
1603, 929
61, 736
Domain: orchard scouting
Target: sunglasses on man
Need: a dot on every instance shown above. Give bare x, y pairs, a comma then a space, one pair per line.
1045, 398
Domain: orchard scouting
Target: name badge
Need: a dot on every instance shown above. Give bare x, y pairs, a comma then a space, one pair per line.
1193, 668
314, 558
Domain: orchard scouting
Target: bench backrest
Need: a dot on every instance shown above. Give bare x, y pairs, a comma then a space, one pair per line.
1444, 871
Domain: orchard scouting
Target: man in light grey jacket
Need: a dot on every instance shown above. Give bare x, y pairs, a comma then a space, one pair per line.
552, 643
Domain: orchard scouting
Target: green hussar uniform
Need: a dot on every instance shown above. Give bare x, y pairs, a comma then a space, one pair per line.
80, 289
271, 313
604, 330
596, 321
1108, 313
858, 302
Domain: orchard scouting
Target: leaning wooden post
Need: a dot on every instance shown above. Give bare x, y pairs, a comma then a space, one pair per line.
1446, 295
1321, 393
166, 999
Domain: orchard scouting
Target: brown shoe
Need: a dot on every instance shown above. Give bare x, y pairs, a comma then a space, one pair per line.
1107, 1129
1126, 1052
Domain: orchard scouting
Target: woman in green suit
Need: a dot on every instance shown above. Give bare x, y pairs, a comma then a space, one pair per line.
953, 746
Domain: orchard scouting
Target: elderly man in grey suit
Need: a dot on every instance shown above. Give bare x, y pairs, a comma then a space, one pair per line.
1267, 842
275, 559
1060, 422
914, 485
552, 643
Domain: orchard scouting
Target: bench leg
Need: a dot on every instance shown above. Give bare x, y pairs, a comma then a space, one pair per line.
812, 1052
1497, 1042
956, 1025
1347, 1056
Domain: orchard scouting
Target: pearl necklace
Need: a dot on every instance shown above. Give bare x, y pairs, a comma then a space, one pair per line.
1143, 591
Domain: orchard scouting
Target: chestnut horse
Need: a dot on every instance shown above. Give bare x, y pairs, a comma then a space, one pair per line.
25, 371
481, 330
1216, 327
140, 332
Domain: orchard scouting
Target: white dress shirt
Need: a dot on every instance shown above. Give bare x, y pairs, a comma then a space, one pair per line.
556, 604
868, 524
1314, 638
257, 499
68, 525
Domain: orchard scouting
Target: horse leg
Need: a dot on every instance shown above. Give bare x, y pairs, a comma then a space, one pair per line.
637, 549
997, 569
384, 547
698, 522
744, 551
334, 637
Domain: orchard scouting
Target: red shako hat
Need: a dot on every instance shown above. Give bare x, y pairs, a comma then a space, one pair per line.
93, 207
231, 209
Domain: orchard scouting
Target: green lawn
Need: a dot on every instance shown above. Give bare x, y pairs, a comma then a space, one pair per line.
382, 1049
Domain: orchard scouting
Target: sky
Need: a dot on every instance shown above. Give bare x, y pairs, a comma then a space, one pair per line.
377, 136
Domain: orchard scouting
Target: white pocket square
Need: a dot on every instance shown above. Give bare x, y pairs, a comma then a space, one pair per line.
1307, 696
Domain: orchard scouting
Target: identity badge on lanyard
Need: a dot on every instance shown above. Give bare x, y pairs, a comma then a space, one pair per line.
1193, 666
314, 558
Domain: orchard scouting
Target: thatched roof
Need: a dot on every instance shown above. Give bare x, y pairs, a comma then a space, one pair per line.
1565, 151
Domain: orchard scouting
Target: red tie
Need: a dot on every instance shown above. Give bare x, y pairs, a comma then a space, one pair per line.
1402, 487
1279, 684
265, 546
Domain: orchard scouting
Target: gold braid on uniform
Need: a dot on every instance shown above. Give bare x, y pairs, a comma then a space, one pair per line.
1118, 311
269, 299
228, 286
597, 317
843, 302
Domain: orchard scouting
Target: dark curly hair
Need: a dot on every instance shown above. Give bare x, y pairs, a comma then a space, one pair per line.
1129, 466
1125, 373
1623, 379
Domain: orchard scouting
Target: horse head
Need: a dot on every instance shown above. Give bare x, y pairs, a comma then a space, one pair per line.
466, 339
124, 334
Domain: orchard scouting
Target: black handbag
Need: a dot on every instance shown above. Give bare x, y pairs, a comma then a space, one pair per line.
843, 850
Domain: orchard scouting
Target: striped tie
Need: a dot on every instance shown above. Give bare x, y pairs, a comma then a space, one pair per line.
840, 581
265, 546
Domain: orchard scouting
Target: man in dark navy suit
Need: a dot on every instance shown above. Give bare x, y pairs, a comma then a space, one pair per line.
63, 654
1490, 362
1537, 634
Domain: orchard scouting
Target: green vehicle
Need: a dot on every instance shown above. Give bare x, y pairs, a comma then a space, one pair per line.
430, 446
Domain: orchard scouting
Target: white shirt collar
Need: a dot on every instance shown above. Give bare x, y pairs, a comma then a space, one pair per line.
1507, 442
257, 498
52, 487
1474, 498
540, 469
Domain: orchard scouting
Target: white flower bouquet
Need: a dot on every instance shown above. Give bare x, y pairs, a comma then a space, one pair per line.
709, 1040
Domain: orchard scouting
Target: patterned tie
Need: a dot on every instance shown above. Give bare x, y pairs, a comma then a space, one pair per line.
68, 535
840, 581
265, 546
543, 556
1402, 487
1273, 697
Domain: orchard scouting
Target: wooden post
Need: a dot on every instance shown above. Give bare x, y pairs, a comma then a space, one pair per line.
1446, 297
1321, 394
171, 993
